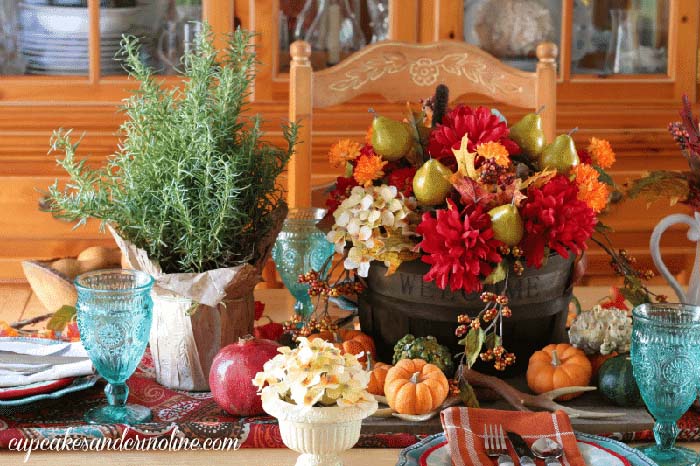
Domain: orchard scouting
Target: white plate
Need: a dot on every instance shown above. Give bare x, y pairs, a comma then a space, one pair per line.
74, 20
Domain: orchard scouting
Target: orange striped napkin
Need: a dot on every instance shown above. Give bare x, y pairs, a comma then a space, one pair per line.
464, 428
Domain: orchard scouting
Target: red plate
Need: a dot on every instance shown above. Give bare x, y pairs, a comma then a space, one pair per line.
12, 393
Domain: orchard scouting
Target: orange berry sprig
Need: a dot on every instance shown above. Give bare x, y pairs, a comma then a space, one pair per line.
496, 308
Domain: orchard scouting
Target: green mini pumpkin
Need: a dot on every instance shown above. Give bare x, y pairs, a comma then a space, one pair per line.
616, 382
427, 349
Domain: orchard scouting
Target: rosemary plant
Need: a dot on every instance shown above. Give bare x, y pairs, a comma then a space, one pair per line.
192, 182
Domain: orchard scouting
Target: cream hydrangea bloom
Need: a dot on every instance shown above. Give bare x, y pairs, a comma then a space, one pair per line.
315, 373
360, 219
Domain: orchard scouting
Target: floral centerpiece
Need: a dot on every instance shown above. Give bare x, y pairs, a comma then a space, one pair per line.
319, 397
475, 200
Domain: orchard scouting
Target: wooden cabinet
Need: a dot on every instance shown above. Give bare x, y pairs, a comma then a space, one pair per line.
631, 110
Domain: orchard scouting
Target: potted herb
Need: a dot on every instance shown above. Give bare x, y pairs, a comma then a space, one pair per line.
191, 198
319, 396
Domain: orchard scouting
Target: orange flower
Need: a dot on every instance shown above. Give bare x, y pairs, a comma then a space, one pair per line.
601, 153
342, 152
494, 150
368, 136
368, 169
590, 190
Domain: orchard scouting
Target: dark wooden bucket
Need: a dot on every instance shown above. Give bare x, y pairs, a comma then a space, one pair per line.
402, 303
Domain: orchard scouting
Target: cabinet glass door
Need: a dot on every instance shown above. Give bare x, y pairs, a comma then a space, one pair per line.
511, 29
50, 37
118, 18
10, 60
44, 37
620, 37
334, 28
168, 30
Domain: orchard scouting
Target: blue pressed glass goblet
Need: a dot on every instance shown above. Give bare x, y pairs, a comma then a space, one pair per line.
666, 366
114, 312
300, 248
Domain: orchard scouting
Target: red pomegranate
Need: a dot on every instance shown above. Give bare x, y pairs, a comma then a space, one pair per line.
232, 372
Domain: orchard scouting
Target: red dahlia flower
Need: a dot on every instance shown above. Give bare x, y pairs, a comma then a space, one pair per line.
460, 247
402, 178
481, 126
554, 217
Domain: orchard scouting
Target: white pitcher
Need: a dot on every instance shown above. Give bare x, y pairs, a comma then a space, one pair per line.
692, 296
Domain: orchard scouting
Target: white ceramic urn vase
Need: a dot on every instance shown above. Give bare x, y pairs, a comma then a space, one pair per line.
320, 434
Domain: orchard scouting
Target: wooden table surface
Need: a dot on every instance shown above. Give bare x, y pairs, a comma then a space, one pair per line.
17, 302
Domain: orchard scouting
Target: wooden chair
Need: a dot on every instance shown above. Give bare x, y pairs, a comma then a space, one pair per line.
402, 72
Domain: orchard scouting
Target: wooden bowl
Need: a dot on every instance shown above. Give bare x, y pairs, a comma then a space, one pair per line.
52, 281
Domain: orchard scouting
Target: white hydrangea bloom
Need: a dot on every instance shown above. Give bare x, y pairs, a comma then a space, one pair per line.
315, 373
360, 218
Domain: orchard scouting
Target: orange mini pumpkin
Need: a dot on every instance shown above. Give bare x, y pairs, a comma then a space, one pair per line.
348, 341
557, 366
377, 378
413, 386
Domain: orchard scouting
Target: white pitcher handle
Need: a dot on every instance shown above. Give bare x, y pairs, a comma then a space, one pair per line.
659, 230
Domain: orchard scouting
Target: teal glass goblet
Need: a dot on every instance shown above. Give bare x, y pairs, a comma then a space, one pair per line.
666, 366
300, 248
114, 312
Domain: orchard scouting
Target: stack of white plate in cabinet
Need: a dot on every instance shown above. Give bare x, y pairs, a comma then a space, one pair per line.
54, 39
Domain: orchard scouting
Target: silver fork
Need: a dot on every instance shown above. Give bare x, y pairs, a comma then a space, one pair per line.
495, 444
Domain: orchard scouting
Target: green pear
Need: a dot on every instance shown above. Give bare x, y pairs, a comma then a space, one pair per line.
430, 184
529, 135
507, 224
560, 154
390, 138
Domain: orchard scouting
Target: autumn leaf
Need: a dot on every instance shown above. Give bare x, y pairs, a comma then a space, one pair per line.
470, 191
493, 340
539, 179
393, 250
465, 159
660, 185
472, 345
61, 318
603, 176
467, 395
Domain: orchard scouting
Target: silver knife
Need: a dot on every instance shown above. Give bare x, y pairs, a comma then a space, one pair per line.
521, 448
9, 357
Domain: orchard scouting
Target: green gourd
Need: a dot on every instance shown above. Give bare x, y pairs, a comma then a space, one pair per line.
616, 382
427, 349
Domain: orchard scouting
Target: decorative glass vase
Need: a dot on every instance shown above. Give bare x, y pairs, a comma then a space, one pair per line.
665, 358
332, 29
624, 51
114, 312
301, 247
